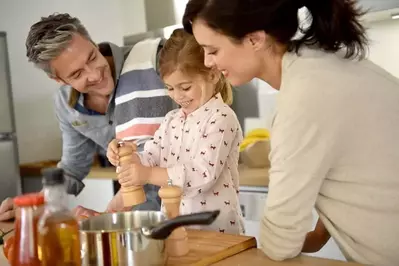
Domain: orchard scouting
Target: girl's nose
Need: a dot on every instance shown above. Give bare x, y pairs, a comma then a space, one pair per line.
178, 95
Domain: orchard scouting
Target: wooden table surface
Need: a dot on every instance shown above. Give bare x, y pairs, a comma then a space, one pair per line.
253, 257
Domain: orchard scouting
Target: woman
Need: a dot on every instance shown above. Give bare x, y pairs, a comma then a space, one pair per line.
326, 151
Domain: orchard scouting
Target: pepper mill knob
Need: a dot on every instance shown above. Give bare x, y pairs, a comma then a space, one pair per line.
177, 242
132, 195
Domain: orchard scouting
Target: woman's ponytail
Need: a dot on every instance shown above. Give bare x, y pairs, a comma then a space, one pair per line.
335, 25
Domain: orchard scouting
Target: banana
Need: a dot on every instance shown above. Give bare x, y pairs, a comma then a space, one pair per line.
254, 136
258, 132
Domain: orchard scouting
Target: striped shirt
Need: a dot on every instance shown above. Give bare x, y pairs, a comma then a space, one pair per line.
141, 100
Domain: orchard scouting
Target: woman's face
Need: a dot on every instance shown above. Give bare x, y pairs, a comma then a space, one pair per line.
238, 61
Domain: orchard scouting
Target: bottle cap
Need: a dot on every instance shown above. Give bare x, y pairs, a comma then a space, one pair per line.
53, 176
30, 199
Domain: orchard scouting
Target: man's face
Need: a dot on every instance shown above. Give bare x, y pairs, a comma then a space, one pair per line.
82, 66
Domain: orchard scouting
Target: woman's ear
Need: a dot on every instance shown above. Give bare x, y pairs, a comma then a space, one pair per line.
257, 39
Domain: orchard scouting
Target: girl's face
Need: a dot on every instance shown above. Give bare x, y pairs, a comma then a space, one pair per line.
187, 91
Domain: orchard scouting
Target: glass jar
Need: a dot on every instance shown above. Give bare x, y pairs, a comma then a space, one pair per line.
25, 246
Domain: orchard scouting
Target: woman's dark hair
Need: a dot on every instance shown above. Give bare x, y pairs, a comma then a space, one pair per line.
335, 23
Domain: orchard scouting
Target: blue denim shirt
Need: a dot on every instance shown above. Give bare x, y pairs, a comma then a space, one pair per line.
85, 131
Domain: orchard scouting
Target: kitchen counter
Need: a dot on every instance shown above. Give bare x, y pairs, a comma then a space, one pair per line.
254, 177
104, 179
257, 177
249, 257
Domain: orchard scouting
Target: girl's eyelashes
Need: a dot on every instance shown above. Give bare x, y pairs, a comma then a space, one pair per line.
183, 89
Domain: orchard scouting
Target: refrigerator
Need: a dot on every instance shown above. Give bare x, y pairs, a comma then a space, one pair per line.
10, 180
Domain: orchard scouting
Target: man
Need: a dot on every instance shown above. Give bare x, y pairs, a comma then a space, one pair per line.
90, 76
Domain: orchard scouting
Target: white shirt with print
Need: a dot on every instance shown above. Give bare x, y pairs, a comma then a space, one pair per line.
201, 154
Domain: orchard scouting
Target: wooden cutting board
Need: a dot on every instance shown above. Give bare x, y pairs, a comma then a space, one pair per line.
207, 247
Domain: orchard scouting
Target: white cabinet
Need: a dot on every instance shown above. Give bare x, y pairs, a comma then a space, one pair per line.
96, 195
252, 201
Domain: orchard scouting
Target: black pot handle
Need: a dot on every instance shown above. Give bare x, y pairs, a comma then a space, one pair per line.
163, 230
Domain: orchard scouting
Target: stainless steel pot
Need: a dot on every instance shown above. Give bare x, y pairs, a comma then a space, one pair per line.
132, 238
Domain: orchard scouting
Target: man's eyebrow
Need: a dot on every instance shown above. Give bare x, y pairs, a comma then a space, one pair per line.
77, 70
73, 73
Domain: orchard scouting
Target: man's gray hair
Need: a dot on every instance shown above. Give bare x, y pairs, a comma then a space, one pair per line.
50, 36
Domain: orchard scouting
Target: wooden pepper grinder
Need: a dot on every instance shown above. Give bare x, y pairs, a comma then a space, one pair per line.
132, 195
177, 242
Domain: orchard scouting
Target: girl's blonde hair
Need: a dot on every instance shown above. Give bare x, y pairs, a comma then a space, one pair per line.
182, 52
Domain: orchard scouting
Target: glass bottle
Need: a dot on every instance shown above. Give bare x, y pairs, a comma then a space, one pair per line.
58, 230
25, 247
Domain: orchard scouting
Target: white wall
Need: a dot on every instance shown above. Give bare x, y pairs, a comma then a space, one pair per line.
37, 129
133, 16
384, 48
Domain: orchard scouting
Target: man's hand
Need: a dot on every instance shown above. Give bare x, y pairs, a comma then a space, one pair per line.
7, 210
116, 204
81, 212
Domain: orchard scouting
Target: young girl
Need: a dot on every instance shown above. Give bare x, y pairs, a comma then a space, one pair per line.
196, 146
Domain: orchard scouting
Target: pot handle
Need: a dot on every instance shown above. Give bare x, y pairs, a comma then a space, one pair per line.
163, 230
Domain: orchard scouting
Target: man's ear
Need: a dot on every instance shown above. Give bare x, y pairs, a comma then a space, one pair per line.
57, 79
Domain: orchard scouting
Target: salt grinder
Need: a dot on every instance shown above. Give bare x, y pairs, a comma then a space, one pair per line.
177, 242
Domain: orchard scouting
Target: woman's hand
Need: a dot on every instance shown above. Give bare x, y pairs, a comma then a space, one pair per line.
316, 239
134, 174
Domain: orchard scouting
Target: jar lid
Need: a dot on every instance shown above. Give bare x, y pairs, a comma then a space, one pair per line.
53, 176
30, 199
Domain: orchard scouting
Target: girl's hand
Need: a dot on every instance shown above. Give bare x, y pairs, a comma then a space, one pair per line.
134, 174
112, 152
